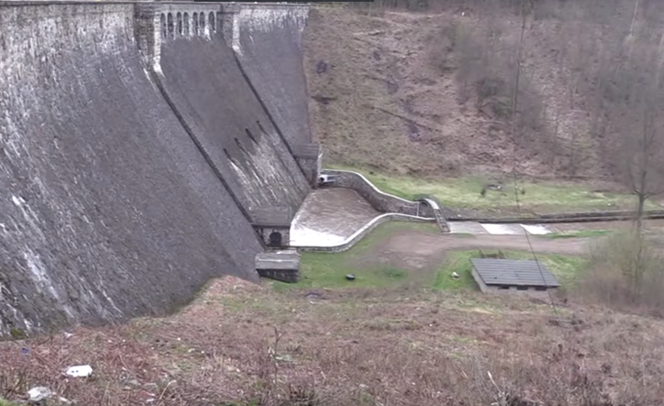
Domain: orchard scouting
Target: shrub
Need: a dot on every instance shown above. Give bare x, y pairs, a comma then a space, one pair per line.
623, 272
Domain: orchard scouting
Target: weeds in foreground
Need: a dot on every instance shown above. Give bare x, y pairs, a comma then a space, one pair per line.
435, 351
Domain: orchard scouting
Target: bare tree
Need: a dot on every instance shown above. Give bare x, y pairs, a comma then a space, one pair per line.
638, 129
642, 151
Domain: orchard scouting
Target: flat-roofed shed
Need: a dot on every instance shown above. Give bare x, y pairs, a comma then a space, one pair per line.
500, 274
280, 265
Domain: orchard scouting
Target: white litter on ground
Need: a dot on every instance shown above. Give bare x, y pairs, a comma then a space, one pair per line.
39, 393
79, 371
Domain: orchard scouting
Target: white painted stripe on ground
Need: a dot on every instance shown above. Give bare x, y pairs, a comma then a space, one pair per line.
536, 229
503, 229
464, 227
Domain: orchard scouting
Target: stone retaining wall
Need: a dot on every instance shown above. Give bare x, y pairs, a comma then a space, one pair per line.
386, 202
380, 200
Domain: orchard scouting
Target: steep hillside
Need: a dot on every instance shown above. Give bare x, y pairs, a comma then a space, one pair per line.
431, 93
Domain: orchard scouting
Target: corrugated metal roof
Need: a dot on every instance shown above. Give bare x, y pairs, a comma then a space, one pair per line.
513, 272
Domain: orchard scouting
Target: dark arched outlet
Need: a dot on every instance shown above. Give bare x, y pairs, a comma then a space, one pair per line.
275, 239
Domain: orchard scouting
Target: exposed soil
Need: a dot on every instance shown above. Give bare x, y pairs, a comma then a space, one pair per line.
414, 249
385, 92
417, 250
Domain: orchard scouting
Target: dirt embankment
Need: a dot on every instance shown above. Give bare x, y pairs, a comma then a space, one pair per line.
242, 344
432, 93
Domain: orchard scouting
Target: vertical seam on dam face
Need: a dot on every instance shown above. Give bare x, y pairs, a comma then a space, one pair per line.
262, 103
268, 44
197, 142
267, 112
205, 83
134, 155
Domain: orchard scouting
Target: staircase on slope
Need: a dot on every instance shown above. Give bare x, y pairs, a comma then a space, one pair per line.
438, 214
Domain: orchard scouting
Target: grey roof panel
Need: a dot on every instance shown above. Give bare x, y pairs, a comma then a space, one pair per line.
513, 272
278, 260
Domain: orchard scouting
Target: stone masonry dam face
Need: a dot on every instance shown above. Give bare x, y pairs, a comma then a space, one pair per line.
133, 153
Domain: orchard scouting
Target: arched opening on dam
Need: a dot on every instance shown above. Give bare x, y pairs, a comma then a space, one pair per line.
187, 33
171, 28
211, 23
164, 30
201, 23
195, 18
275, 239
179, 19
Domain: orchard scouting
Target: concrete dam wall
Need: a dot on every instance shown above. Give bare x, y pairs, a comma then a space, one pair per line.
270, 48
131, 165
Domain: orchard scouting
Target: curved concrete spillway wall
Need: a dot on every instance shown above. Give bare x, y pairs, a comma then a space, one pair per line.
116, 200
425, 208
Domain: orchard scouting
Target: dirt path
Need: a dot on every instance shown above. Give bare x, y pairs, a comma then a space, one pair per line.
419, 243
417, 250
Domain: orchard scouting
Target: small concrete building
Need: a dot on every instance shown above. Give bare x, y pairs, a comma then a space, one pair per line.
282, 266
495, 275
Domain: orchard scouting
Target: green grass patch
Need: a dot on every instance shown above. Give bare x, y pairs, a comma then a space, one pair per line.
4, 402
329, 270
539, 197
577, 234
564, 267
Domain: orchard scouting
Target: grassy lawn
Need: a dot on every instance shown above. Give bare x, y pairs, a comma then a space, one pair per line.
564, 267
540, 197
577, 234
329, 270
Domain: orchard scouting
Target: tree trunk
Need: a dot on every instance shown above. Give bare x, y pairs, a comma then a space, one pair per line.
639, 213
639, 266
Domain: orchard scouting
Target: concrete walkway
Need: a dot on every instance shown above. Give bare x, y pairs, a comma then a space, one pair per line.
500, 229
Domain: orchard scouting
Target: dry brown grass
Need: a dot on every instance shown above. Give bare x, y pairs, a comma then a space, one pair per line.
246, 344
624, 273
399, 90
394, 100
